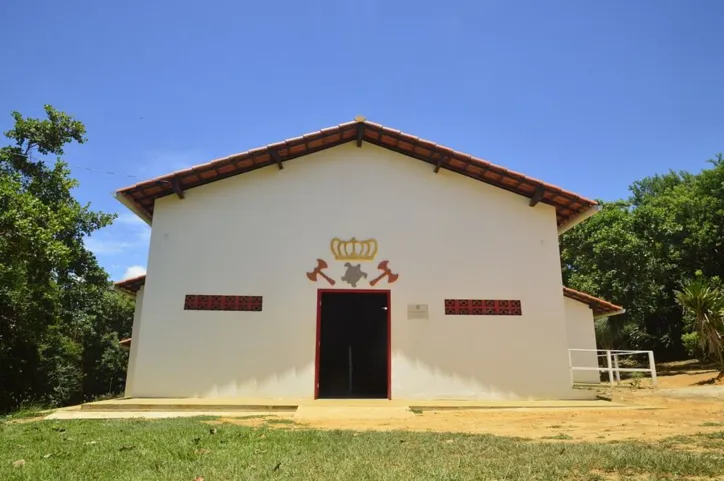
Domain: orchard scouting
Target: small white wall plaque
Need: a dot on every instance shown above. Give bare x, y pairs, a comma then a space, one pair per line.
417, 311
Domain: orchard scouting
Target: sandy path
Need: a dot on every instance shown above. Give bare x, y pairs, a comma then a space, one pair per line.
687, 411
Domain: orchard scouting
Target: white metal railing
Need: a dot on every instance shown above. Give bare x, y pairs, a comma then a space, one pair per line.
612, 364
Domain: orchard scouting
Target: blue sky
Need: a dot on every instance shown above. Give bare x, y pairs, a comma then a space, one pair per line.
588, 95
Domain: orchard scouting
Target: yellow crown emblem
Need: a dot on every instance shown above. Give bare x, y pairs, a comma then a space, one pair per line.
353, 250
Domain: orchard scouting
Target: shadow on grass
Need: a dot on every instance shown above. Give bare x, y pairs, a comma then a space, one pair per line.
686, 367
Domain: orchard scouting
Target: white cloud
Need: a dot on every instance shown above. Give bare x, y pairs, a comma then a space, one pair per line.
134, 271
106, 246
134, 235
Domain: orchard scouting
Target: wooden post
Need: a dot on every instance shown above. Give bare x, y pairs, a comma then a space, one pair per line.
652, 366
439, 163
275, 156
537, 195
609, 366
360, 133
570, 365
176, 185
615, 365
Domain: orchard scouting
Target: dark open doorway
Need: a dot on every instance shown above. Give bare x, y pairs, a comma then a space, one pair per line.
353, 344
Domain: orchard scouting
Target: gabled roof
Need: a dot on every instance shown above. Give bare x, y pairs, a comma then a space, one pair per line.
600, 307
132, 285
141, 197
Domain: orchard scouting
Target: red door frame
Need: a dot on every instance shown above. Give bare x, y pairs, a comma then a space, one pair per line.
319, 333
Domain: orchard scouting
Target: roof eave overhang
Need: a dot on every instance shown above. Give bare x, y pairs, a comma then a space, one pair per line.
133, 207
125, 292
131, 286
599, 307
591, 211
603, 315
570, 208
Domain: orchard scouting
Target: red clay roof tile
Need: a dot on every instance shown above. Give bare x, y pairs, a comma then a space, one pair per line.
143, 195
599, 306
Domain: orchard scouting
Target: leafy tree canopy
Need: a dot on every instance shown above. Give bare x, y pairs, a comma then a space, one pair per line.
637, 251
52, 290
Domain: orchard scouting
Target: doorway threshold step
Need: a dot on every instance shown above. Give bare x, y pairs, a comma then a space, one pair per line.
309, 412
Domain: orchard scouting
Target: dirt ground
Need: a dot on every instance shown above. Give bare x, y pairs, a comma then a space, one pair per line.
686, 401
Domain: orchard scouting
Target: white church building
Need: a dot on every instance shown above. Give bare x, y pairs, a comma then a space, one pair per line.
356, 262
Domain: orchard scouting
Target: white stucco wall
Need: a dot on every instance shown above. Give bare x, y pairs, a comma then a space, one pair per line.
447, 236
581, 335
135, 340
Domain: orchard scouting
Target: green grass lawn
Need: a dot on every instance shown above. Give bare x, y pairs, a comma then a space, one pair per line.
182, 449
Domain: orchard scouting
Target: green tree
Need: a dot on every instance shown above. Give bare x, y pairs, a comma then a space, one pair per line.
636, 250
104, 359
703, 300
604, 257
51, 286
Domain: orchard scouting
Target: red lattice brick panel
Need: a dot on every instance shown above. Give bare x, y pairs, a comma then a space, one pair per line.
482, 307
202, 302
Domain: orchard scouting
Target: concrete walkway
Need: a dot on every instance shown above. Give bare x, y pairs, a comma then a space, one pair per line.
303, 409
311, 412
76, 412
291, 405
